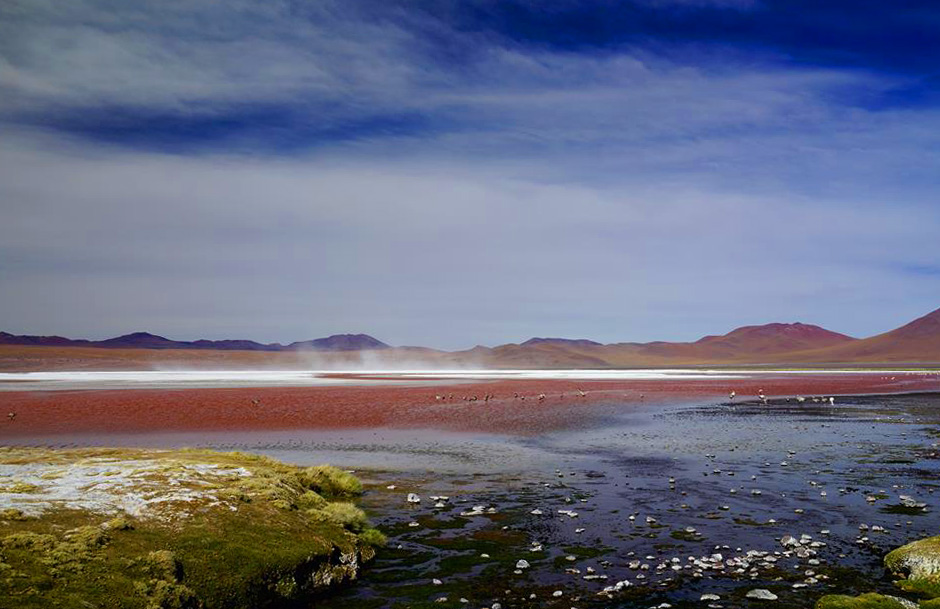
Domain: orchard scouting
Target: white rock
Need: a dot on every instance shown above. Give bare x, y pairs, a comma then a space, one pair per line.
762, 594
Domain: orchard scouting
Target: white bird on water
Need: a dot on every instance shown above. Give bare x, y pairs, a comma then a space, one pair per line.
731, 396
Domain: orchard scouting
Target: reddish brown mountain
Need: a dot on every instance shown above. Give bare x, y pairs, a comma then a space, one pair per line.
749, 344
776, 343
916, 342
563, 342
770, 339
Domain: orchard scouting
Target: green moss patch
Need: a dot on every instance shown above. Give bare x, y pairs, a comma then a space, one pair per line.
918, 564
920, 559
865, 601
236, 530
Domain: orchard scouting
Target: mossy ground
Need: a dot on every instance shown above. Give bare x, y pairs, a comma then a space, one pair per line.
918, 564
865, 601
271, 537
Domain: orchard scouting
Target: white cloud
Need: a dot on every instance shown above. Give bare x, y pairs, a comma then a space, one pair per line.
617, 196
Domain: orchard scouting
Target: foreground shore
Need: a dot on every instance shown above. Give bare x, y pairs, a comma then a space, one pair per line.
628, 497
519, 407
175, 529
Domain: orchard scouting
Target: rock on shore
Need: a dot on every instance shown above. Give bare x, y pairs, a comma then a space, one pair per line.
918, 565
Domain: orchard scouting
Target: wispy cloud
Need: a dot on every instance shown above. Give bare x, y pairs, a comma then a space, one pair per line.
436, 174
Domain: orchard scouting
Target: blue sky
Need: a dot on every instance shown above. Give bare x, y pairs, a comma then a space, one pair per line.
453, 173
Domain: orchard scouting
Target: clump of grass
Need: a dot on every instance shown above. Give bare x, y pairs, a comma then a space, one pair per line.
20, 487
162, 594
118, 524
162, 564
373, 537
13, 514
27, 540
345, 514
330, 481
865, 601
266, 488
310, 500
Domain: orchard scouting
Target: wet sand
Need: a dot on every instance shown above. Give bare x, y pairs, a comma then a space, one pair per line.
441, 406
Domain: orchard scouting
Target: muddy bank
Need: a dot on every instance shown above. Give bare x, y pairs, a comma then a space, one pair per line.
508, 407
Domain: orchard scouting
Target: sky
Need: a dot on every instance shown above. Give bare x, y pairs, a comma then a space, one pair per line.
449, 173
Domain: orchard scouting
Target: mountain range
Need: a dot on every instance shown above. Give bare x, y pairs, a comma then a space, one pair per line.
145, 340
775, 343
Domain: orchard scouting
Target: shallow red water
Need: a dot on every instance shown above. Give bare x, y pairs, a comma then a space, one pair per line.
144, 410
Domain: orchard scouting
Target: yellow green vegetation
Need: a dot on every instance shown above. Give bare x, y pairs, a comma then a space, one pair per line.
920, 561
174, 529
865, 601
18, 487
918, 566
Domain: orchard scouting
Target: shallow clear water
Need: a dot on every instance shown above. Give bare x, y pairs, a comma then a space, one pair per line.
814, 466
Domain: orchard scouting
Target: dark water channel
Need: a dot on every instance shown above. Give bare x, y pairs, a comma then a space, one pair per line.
653, 498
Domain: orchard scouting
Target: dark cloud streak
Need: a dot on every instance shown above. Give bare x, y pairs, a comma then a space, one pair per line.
453, 173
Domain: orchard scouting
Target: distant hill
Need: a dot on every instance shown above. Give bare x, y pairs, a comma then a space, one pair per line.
340, 342
775, 338
774, 343
917, 341
40, 341
748, 344
565, 342
146, 340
